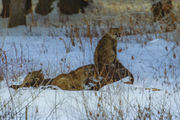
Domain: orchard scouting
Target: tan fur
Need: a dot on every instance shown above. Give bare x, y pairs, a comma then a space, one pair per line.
33, 79
105, 53
113, 74
105, 59
74, 80
116, 32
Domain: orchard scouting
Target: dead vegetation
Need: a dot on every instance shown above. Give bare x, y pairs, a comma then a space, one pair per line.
107, 67
96, 27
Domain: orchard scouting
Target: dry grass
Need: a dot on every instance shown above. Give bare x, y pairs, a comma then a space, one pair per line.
98, 20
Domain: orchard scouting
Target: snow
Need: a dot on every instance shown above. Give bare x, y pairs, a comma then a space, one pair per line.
154, 61
49, 54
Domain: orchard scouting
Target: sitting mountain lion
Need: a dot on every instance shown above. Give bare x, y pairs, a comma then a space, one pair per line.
105, 59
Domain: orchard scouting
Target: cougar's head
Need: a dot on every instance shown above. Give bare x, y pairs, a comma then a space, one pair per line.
35, 75
115, 32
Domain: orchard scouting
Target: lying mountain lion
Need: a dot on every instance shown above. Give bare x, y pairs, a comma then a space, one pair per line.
75, 80
33, 79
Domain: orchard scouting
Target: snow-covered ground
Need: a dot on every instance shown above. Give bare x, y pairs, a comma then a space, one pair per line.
153, 59
154, 65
